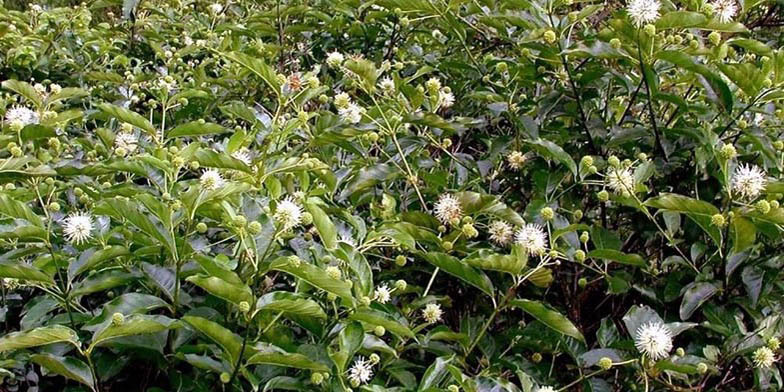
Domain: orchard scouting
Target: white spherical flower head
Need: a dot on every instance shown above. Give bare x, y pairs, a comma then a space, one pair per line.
211, 180
643, 11
386, 85
78, 227
500, 232
216, 8
288, 214
725, 10
383, 294
335, 59
448, 208
447, 99
749, 181
127, 141
764, 357
533, 239
546, 388
654, 340
621, 181
361, 372
516, 160
243, 155
352, 113
21, 115
432, 313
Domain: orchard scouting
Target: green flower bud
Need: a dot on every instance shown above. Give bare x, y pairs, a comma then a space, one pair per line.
446, 143
615, 43
501, 67
553, 254
549, 36
373, 137
244, 307
294, 261
239, 221
578, 215
469, 231
400, 260
78, 191
354, 382
118, 319
642, 156
201, 227
728, 151
194, 165
254, 227
773, 343
454, 388
547, 213
584, 237
307, 218
593, 170
316, 378
680, 352
587, 161
718, 220
702, 368
225, 377
650, 30
743, 124
365, 301
582, 282
401, 285
614, 161
446, 245
714, 37
774, 204
379, 330
694, 44
603, 196
331, 297
763, 206
605, 363
454, 221
16, 152
333, 272
53, 206
579, 255
779, 145
442, 229
536, 358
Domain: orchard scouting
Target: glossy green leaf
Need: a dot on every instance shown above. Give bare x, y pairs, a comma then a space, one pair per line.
549, 317
462, 271
67, 367
38, 337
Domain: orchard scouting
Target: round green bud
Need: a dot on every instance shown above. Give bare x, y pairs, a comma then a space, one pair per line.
714, 37
16, 152
593, 170
454, 388
401, 285
743, 124
333, 272
579, 255
650, 30
615, 43
446, 143
78, 191
316, 378
239, 221
254, 227
728, 151
400, 260
10, 186
53, 206
731, 214
294, 260
584, 237
536, 358
702, 368
118, 319
365, 301
379, 330
446, 245
549, 36
84, 199
307, 218
442, 229
779, 145
642, 156
244, 307
178, 161
605, 363
201, 227
718, 220
354, 382
547, 213
373, 137
587, 160
553, 254
541, 69
470, 231
614, 161
225, 377
763, 206
582, 282
680, 352
694, 44
49, 181
774, 204
578, 214
773, 343
603, 195
323, 98
331, 297
454, 221
502, 67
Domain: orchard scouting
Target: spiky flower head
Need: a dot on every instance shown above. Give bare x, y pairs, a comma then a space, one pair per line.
335, 59
749, 181
383, 294
127, 141
764, 357
621, 181
352, 113
446, 98
725, 10
21, 116
78, 227
387, 85
533, 239
516, 160
243, 155
361, 372
654, 340
432, 313
288, 214
500, 232
643, 11
211, 180
448, 209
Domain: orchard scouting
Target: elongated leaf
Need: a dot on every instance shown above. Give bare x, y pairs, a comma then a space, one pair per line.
553, 151
125, 115
697, 210
548, 317
290, 303
374, 317
101, 281
744, 233
16, 209
38, 337
618, 257
435, 374
220, 288
680, 19
292, 360
210, 158
229, 341
67, 367
99, 257
324, 225
196, 128
22, 271
24, 89
488, 260
133, 325
695, 296
460, 270
258, 67
122, 209
474, 203
315, 276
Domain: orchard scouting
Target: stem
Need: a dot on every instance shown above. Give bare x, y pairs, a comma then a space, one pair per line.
432, 278
242, 352
658, 142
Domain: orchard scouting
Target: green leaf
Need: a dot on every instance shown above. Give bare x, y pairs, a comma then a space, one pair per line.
196, 128
697, 210
488, 260
743, 233
464, 272
37, 131
290, 303
67, 367
324, 225
292, 360
22, 271
125, 210
695, 296
474, 203
683, 60
101, 281
230, 342
314, 276
98, 257
553, 151
258, 67
618, 256
435, 374
218, 287
680, 20
374, 317
38, 337
16, 209
210, 158
24, 89
549, 317
134, 325
128, 116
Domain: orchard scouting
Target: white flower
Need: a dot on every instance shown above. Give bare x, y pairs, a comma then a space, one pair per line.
763, 357
36, 8
387, 85
288, 214
432, 313
383, 294
351, 113
749, 181
546, 388
211, 179
725, 10
335, 59
516, 160
643, 11
448, 209
127, 141
433, 84
447, 99
342, 100
533, 239
500, 232
621, 181
216, 8
21, 115
77, 227
653, 339
243, 155
361, 372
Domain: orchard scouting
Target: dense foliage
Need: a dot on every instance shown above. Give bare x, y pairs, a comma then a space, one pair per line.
391, 195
